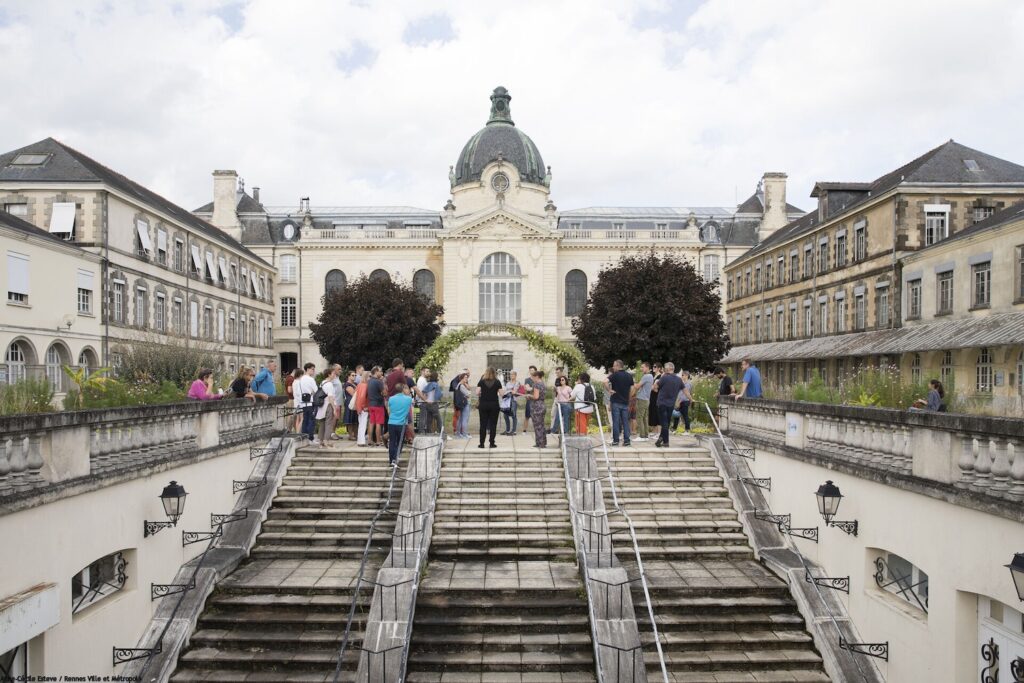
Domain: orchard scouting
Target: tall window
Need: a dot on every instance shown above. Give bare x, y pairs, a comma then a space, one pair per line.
944, 292
794, 267
914, 299
781, 323
936, 226
822, 257
983, 371
882, 308
1019, 294
500, 289
769, 281
15, 360
757, 278
287, 311
808, 261
53, 367
860, 243
782, 269
140, 307
840, 250
252, 331
335, 280
981, 277
179, 255
711, 267
87, 361
946, 369
575, 293
158, 312
207, 322
176, 318
220, 324
808, 320
822, 317
792, 323
769, 330
17, 278
288, 269
84, 300
841, 315
860, 312
243, 328
117, 302
425, 284
1020, 374
380, 275
915, 369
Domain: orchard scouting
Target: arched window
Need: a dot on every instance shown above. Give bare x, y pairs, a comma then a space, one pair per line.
423, 282
87, 361
335, 280
54, 373
287, 264
575, 292
501, 289
711, 232
15, 360
380, 275
915, 369
983, 371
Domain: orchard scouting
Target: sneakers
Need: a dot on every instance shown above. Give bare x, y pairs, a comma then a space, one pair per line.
659, 444
615, 443
641, 438
625, 443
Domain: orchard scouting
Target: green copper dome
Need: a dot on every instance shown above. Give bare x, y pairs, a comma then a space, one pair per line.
500, 136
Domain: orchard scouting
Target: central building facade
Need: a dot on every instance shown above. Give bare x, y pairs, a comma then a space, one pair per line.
499, 250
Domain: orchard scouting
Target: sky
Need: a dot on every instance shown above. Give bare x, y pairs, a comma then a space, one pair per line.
631, 102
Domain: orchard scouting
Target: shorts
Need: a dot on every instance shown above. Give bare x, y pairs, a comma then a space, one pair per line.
376, 415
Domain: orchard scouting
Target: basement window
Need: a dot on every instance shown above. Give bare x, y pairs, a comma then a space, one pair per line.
101, 579
903, 579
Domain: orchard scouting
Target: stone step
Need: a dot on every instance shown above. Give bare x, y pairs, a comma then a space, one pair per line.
513, 662
761, 662
718, 676
260, 659
713, 641
558, 525
699, 605
254, 600
515, 553
537, 621
290, 618
211, 673
433, 641
323, 538
293, 552
670, 621
258, 636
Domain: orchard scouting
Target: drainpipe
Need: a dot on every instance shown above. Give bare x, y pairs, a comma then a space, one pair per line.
106, 278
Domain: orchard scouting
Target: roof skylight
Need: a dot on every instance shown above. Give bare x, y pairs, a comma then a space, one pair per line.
971, 165
30, 159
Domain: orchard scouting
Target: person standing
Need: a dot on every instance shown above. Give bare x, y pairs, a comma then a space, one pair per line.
531, 376
489, 392
375, 396
453, 387
685, 397
509, 406
643, 401
350, 417
305, 389
619, 385
537, 410
725, 387
559, 381
653, 419
329, 411
399, 408
263, 383
668, 387
562, 407
360, 374
294, 385
751, 386
362, 408
462, 396
430, 415
585, 398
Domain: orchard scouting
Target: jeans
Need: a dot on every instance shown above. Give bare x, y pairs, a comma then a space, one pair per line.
620, 421
488, 422
463, 428
430, 418
511, 418
684, 410
395, 434
642, 415
664, 418
528, 413
309, 421
564, 414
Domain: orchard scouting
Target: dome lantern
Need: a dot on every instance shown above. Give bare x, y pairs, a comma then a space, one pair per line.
499, 139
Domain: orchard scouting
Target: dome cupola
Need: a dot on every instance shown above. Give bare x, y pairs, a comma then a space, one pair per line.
500, 139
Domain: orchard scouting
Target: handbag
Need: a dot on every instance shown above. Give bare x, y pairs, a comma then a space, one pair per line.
352, 403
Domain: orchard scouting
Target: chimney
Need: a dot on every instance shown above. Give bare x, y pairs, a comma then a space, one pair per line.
225, 203
304, 205
256, 194
775, 215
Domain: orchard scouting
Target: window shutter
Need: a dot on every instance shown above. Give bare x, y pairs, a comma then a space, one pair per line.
17, 273
62, 220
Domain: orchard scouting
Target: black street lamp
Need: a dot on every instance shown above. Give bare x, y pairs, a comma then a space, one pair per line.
173, 499
829, 497
1016, 568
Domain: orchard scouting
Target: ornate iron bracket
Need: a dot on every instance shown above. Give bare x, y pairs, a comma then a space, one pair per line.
747, 453
123, 655
879, 650
1017, 670
990, 653
849, 527
766, 516
239, 486
220, 520
839, 583
190, 537
809, 533
160, 590
759, 482
260, 451
150, 528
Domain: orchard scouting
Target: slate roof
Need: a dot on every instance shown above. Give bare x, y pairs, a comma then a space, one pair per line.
755, 204
946, 165
23, 226
67, 164
998, 329
244, 203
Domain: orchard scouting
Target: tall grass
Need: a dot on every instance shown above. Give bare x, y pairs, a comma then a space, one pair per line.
26, 396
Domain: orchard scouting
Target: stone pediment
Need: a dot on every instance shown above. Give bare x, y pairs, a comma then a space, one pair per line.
500, 223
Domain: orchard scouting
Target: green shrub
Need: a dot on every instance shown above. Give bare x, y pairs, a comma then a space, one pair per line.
26, 396
117, 394
705, 390
148, 361
815, 391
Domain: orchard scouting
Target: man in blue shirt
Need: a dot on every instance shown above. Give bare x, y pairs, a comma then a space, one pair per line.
751, 387
263, 383
668, 387
620, 385
399, 406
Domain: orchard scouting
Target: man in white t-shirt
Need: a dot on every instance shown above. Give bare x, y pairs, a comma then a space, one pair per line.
329, 411
304, 389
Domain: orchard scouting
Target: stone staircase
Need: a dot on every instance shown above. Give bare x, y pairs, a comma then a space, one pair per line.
281, 615
502, 599
722, 616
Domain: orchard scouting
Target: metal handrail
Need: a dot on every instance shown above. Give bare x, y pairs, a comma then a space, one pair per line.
360, 576
581, 552
134, 653
787, 540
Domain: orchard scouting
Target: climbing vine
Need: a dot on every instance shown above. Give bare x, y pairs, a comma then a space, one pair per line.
439, 354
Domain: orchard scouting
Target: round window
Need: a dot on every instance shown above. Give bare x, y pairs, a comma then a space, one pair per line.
499, 182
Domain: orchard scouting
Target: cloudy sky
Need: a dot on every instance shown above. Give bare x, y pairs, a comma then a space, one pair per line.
632, 102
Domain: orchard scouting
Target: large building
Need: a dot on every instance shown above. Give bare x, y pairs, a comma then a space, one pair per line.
499, 251
161, 273
829, 291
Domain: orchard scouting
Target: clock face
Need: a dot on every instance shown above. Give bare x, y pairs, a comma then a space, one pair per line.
499, 182
289, 231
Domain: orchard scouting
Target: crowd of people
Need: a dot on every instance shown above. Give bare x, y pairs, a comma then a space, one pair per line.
376, 407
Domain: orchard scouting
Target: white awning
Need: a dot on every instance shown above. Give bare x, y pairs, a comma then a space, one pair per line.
17, 273
143, 231
209, 264
161, 240
255, 283
193, 318
223, 269
62, 220
197, 258
84, 279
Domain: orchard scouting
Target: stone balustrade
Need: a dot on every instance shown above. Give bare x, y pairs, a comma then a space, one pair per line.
975, 453
40, 451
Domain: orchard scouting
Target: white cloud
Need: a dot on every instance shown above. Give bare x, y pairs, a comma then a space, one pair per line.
632, 103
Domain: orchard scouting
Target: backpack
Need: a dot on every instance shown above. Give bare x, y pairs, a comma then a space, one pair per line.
460, 400
319, 397
588, 394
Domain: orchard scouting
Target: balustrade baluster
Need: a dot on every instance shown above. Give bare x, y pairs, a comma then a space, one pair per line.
1000, 467
876, 443
19, 464
983, 465
966, 462
34, 458
5, 468
1017, 470
886, 446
